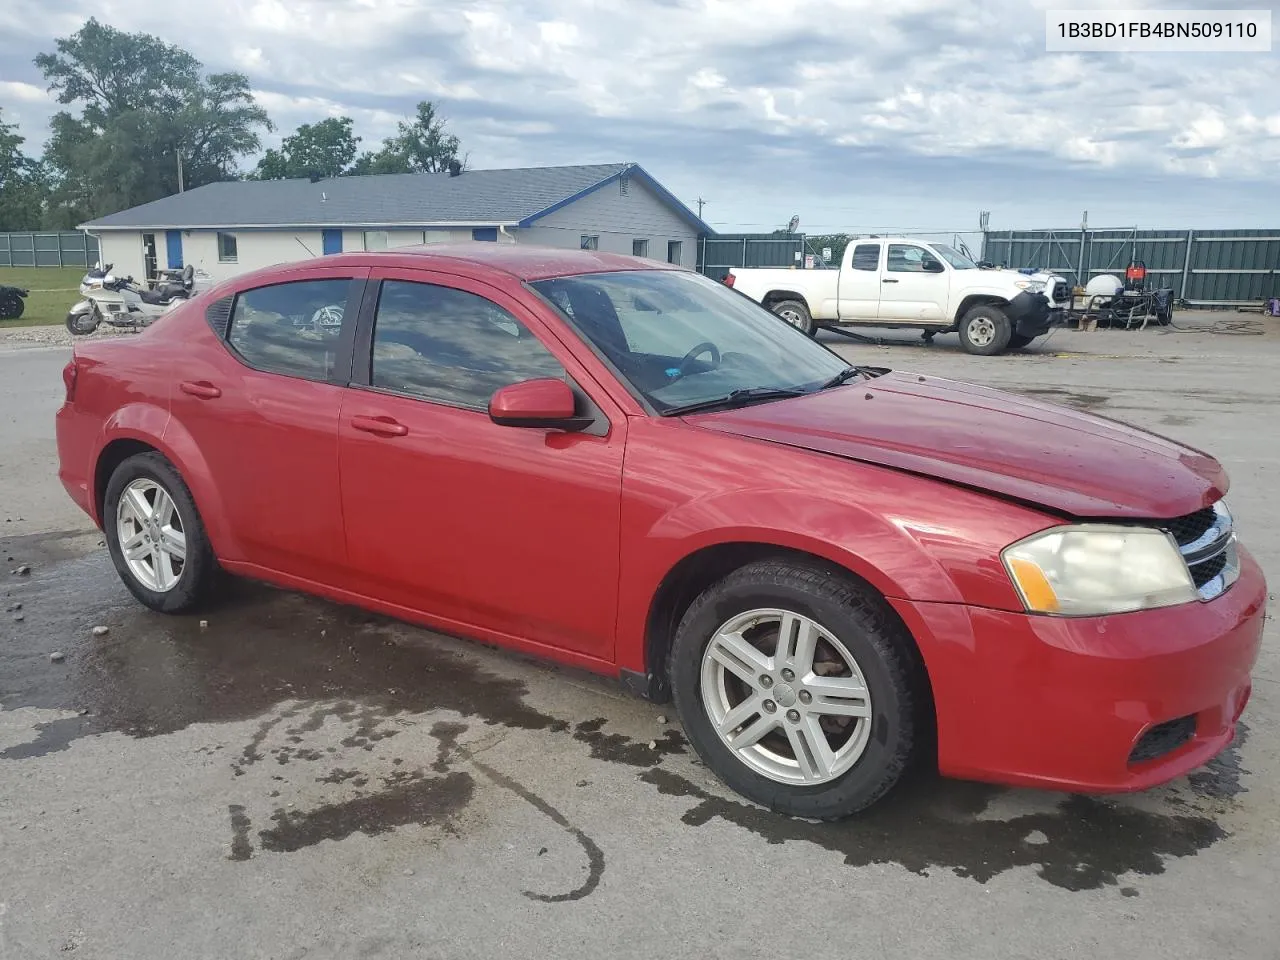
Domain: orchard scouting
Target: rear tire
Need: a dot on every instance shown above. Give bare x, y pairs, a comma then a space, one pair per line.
165, 584
1018, 341
797, 314
985, 330
12, 307
857, 640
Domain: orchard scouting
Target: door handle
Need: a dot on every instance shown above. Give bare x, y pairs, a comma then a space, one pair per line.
200, 388
380, 426
888, 280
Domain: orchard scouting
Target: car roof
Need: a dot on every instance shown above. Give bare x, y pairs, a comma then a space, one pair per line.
521, 261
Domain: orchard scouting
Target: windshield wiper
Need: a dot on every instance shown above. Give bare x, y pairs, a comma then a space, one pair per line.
844, 376
737, 398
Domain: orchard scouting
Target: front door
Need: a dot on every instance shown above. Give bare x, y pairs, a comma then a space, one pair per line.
510, 530
913, 285
149, 255
860, 283
263, 413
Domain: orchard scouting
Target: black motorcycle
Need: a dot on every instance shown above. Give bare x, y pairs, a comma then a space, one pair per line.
12, 302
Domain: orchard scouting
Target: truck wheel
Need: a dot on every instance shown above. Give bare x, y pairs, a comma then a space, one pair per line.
1018, 341
985, 330
796, 314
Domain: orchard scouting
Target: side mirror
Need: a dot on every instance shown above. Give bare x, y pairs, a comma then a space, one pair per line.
933, 266
544, 403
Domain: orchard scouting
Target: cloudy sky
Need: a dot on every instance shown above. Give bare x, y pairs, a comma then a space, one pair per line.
853, 114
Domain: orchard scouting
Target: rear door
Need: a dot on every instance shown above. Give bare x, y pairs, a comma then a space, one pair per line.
507, 529
860, 283
909, 292
263, 412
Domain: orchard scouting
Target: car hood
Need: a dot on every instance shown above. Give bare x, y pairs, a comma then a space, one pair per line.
1013, 446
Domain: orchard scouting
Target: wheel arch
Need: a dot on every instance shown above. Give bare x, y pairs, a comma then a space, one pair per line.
699, 569
143, 428
978, 300
774, 297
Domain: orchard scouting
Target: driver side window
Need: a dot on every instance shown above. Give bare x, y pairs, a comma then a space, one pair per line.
450, 346
907, 258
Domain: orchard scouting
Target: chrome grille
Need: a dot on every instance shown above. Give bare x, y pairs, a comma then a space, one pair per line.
1207, 541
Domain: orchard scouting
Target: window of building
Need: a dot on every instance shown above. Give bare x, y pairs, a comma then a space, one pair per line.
290, 328
227, 252
866, 256
908, 258
675, 250
589, 242
639, 248
375, 239
451, 346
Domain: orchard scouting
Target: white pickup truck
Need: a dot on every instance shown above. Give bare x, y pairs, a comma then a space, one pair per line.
904, 282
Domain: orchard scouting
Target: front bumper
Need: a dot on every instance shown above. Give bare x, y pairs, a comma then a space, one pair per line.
1032, 314
1061, 703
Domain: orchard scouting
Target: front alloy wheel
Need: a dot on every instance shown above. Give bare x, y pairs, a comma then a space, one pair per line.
799, 687
786, 696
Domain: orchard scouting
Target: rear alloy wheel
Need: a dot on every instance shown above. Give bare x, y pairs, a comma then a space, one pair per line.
155, 537
985, 330
797, 314
780, 674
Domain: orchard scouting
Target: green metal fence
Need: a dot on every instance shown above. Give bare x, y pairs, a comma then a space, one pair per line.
1206, 268
71, 249
716, 255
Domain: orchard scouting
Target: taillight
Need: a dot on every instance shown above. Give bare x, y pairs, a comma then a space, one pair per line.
728, 280
70, 374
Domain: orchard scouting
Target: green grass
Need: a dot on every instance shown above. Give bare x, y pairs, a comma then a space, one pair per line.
53, 291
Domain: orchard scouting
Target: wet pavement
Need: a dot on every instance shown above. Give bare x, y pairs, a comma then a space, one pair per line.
282, 777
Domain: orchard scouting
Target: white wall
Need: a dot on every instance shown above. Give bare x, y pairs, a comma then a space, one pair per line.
618, 219
124, 250
353, 240
254, 249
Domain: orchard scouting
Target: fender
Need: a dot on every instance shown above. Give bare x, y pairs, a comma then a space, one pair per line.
153, 425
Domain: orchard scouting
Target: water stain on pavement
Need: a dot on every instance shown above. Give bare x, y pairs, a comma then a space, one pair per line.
296, 663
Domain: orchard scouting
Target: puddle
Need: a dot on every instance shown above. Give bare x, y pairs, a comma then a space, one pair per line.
296, 665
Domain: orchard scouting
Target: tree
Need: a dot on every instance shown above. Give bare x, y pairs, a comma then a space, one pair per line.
316, 150
836, 241
22, 186
420, 145
150, 122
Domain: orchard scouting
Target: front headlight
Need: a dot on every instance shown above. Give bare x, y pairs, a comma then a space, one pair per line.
1096, 569
1030, 286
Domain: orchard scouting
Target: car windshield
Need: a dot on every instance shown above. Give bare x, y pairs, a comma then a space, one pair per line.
680, 339
953, 256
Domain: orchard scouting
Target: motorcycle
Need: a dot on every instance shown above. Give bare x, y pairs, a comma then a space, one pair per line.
122, 302
11, 302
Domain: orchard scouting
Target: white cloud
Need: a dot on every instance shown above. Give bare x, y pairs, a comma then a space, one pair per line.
824, 84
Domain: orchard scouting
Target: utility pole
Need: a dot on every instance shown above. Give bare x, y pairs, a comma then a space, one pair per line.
179, 153
701, 202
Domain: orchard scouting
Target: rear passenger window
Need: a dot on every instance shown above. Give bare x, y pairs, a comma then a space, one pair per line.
866, 256
291, 328
451, 346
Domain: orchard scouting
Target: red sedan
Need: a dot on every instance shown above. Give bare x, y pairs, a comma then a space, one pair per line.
834, 570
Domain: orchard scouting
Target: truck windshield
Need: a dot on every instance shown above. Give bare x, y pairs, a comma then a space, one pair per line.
680, 339
953, 256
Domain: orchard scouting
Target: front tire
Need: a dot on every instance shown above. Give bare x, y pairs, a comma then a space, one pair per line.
155, 536
797, 314
12, 307
83, 324
798, 688
985, 330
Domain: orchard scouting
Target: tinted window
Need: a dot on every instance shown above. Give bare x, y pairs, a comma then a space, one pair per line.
451, 346
866, 256
291, 328
906, 258
675, 251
